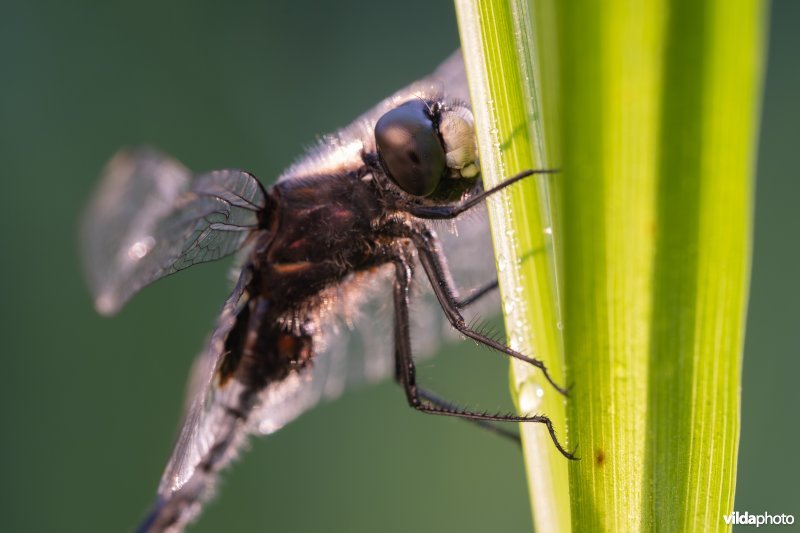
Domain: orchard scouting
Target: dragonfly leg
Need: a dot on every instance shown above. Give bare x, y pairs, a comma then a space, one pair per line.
435, 265
443, 404
477, 294
452, 211
425, 401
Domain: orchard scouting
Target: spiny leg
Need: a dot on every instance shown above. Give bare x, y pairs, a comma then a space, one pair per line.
418, 398
435, 266
433, 399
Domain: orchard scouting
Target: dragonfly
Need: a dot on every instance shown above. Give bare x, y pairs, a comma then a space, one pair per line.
348, 231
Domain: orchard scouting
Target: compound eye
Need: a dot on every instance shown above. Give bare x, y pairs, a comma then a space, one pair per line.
410, 149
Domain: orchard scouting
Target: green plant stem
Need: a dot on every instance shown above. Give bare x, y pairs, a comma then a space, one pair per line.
659, 111
498, 46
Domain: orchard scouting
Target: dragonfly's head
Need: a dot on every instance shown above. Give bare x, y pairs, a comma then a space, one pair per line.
423, 145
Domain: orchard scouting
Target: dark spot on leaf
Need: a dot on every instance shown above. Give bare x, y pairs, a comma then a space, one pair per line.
600, 458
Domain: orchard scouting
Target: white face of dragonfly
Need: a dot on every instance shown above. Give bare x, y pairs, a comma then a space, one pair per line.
456, 127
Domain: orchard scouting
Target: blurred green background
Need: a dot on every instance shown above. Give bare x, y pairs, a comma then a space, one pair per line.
90, 405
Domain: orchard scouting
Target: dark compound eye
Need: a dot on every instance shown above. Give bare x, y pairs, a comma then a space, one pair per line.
410, 149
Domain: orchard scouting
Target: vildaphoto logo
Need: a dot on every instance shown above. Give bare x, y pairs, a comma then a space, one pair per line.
764, 519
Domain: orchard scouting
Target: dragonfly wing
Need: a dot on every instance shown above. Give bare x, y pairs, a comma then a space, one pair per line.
342, 151
213, 427
451, 75
150, 218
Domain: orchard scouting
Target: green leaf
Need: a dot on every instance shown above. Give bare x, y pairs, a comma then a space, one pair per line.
653, 108
498, 46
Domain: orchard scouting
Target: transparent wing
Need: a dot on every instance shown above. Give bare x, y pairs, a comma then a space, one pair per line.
341, 152
212, 429
207, 407
451, 75
150, 218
